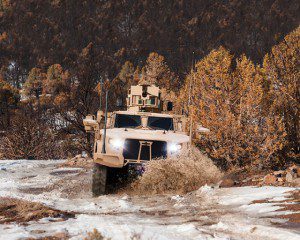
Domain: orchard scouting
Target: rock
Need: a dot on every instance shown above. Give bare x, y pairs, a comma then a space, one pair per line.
296, 182
295, 170
84, 154
280, 179
249, 179
228, 182
289, 177
269, 179
279, 173
38, 231
61, 235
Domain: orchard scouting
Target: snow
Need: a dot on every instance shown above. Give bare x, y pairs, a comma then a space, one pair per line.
246, 195
208, 213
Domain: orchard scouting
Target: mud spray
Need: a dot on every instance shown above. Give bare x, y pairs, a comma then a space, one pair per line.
186, 172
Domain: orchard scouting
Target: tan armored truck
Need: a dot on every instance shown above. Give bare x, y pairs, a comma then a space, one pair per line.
142, 133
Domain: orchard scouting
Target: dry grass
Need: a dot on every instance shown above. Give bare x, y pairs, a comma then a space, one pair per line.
180, 174
96, 235
15, 210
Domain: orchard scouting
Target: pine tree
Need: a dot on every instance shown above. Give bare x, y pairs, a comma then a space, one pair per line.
34, 83
9, 97
157, 71
56, 80
281, 68
126, 73
122, 83
228, 101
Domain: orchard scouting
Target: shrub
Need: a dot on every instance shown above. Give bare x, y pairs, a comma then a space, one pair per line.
186, 172
29, 138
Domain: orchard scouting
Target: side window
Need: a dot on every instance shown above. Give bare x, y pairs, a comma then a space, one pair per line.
152, 100
137, 100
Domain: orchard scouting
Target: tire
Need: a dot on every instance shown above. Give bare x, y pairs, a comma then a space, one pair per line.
117, 176
99, 182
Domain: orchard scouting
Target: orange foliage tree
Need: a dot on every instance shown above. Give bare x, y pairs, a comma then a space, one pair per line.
158, 72
57, 84
227, 100
8, 97
282, 87
34, 83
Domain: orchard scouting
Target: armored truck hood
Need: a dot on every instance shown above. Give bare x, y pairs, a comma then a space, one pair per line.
154, 135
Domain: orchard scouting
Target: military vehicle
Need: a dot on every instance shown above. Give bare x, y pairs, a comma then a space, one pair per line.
145, 131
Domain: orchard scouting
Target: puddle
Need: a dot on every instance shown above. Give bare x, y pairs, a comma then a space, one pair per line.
64, 172
32, 190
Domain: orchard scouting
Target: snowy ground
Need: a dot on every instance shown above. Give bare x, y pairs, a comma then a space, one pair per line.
204, 214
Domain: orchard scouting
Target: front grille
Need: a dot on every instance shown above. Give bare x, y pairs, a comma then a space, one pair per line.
132, 147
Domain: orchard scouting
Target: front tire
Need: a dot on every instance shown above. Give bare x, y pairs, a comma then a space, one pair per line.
99, 181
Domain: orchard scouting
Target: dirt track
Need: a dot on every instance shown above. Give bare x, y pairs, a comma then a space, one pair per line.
203, 214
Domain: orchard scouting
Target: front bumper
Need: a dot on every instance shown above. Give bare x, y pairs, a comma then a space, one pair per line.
109, 160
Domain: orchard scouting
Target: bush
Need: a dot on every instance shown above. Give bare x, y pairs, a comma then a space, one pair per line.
186, 172
29, 138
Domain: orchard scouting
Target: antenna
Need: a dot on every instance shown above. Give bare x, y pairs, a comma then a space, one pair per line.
105, 122
101, 85
190, 97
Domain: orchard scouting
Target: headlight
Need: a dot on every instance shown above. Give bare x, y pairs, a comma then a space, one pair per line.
174, 147
116, 143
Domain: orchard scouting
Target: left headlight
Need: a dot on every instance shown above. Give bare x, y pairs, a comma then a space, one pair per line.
174, 147
116, 142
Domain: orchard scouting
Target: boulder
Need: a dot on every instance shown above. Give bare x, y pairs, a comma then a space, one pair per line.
61, 235
279, 173
280, 179
289, 177
227, 182
270, 179
295, 169
296, 182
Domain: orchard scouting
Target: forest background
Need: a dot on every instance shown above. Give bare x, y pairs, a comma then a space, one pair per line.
240, 57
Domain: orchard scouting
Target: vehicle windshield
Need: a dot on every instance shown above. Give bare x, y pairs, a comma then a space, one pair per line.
127, 121
163, 123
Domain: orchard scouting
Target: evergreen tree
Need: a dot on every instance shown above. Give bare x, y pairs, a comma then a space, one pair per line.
282, 73
228, 101
34, 83
56, 80
9, 97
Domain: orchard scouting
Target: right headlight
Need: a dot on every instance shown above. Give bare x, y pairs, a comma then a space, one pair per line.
174, 147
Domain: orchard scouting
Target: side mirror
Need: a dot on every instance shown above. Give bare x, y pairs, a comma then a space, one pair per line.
90, 124
180, 126
169, 106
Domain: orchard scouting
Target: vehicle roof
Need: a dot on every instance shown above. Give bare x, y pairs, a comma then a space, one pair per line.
145, 114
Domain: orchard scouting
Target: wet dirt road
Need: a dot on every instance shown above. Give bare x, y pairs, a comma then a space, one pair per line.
207, 213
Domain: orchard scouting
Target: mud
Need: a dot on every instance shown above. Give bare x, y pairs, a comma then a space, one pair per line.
180, 174
20, 211
74, 186
201, 214
291, 204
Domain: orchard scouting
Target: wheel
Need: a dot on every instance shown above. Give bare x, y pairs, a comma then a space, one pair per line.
99, 182
117, 176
